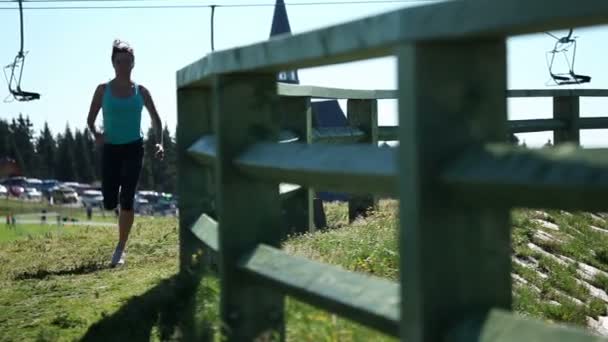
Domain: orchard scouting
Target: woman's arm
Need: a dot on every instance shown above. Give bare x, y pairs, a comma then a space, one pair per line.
94, 110
156, 123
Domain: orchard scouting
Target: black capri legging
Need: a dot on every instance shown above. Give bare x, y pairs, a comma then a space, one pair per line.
121, 166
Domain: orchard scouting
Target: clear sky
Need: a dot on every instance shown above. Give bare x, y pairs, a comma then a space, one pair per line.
69, 54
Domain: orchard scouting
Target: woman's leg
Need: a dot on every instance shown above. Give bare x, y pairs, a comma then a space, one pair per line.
131, 170
111, 164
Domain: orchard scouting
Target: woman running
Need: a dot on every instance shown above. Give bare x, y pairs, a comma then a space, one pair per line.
122, 102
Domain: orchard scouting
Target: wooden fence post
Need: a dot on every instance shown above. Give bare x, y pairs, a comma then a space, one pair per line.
297, 117
454, 259
195, 196
363, 114
567, 109
246, 110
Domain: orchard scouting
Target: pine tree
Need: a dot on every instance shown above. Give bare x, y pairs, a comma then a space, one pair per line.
82, 160
147, 178
65, 169
94, 154
23, 144
46, 149
169, 183
5, 139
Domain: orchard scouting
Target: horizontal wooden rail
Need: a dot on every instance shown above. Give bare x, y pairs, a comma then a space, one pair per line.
502, 326
369, 300
378, 35
288, 137
316, 92
204, 150
337, 135
593, 123
535, 125
520, 126
366, 299
205, 229
557, 92
388, 133
500, 175
287, 190
351, 168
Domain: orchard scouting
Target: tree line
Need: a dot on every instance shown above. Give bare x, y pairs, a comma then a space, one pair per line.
72, 155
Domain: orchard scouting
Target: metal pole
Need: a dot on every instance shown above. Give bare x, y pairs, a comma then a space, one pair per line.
212, 27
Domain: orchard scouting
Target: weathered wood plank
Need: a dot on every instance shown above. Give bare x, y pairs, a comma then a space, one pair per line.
195, 187
365, 299
518, 126
196, 196
363, 115
317, 92
337, 135
380, 94
378, 35
557, 92
286, 136
503, 326
298, 209
593, 123
298, 90
535, 125
454, 258
567, 109
563, 177
204, 149
249, 211
286, 189
349, 168
205, 229
388, 132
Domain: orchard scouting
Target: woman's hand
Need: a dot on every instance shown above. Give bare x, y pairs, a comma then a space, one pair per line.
160, 151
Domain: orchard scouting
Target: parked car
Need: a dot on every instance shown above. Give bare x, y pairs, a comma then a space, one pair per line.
15, 185
33, 183
64, 195
3, 190
15, 190
32, 193
80, 188
18, 181
47, 185
142, 205
92, 198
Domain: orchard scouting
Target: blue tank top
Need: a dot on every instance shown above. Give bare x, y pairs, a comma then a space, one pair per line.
122, 117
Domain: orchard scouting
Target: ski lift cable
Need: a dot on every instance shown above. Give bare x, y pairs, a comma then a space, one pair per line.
186, 6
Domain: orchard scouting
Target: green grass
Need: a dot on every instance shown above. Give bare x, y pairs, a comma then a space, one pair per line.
19, 207
32, 231
59, 287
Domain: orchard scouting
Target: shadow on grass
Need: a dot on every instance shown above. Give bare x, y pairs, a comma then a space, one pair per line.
42, 273
168, 308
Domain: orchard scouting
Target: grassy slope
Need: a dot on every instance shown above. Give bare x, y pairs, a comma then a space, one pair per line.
32, 231
59, 287
33, 210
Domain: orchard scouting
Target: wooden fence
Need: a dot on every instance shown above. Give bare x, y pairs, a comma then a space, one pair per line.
239, 160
